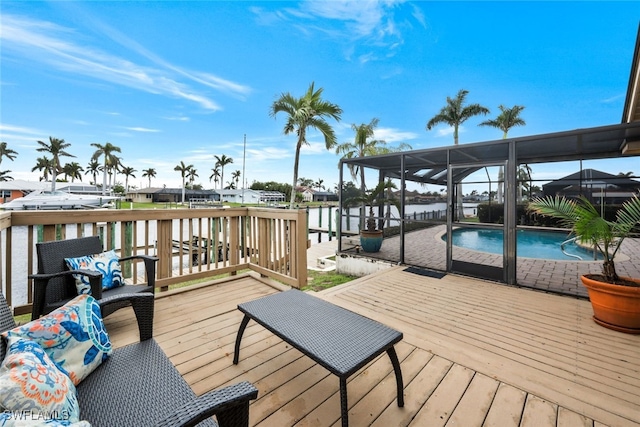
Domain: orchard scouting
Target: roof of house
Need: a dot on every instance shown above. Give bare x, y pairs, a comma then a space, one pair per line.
593, 177
159, 190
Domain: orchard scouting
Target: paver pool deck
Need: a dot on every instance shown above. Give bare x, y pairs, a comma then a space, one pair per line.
425, 248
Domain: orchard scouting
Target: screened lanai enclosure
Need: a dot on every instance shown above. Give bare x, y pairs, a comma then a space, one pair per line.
483, 188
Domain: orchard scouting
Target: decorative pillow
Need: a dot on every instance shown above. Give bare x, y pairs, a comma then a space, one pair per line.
28, 419
106, 263
32, 386
73, 336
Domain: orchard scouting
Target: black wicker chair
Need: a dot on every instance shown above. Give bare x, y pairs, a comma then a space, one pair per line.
54, 284
139, 386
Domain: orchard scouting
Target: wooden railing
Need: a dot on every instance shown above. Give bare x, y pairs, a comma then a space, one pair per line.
191, 244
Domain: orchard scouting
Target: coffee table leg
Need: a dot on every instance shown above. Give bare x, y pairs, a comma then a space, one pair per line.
396, 367
243, 325
344, 407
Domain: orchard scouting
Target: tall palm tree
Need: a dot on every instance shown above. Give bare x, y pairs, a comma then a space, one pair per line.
73, 170
184, 171
319, 184
524, 180
455, 113
56, 147
215, 175
508, 118
127, 171
308, 111
149, 173
7, 152
222, 161
93, 168
236, 177
110, 160
44, 165
363, 145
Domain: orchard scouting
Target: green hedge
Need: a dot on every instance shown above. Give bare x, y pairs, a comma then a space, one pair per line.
494, 213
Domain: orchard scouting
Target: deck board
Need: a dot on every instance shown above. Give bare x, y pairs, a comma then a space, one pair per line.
474, 353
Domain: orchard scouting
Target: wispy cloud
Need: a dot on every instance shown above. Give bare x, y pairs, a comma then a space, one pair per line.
371, 29
393, 135
20, 133
141, 129
68, 51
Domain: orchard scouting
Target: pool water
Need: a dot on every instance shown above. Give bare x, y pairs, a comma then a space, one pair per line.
531, 243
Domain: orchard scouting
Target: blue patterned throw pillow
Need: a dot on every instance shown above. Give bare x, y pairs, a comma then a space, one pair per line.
73, 336
32, 388
105, 263
26, 419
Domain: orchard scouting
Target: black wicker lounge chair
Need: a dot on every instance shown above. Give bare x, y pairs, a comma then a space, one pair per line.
139, 386
54, 285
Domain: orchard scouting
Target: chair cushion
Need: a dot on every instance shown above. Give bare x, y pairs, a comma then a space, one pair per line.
73, 336
105, 263
31, 382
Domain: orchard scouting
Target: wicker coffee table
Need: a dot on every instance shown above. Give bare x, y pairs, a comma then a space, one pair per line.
337, 339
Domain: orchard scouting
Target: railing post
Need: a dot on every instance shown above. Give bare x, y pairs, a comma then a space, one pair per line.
300, 248
329, 222
165, 261
234, 240
127, 247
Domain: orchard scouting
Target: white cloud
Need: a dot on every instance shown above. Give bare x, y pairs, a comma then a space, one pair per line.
141, 129
59, 47
393, 135
370, 26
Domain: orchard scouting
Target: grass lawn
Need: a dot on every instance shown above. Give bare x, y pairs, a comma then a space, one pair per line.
319, 280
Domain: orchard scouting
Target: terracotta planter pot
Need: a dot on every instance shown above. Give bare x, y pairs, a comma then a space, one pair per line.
615, 307
371, 241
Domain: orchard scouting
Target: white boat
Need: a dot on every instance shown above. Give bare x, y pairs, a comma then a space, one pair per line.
40, 200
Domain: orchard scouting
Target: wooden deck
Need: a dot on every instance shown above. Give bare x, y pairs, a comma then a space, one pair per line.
474, 354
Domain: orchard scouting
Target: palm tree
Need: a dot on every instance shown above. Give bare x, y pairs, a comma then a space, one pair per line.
149, 173
93, 168
192, 175
455, 113
319, 184
236, 177
508, 118
127, 171
215, 175
56, 148
524, 180
308, 111
7, 152
364, 145
305, 182
44, 165
4, 176
222, 161
72, 170
110, 160
184, 171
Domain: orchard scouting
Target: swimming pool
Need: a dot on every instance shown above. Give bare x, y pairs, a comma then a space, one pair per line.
531, 243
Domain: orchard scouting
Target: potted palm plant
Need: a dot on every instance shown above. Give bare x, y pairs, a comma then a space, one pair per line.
615, 299
371, 236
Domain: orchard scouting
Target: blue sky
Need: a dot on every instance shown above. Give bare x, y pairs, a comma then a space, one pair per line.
184, 81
